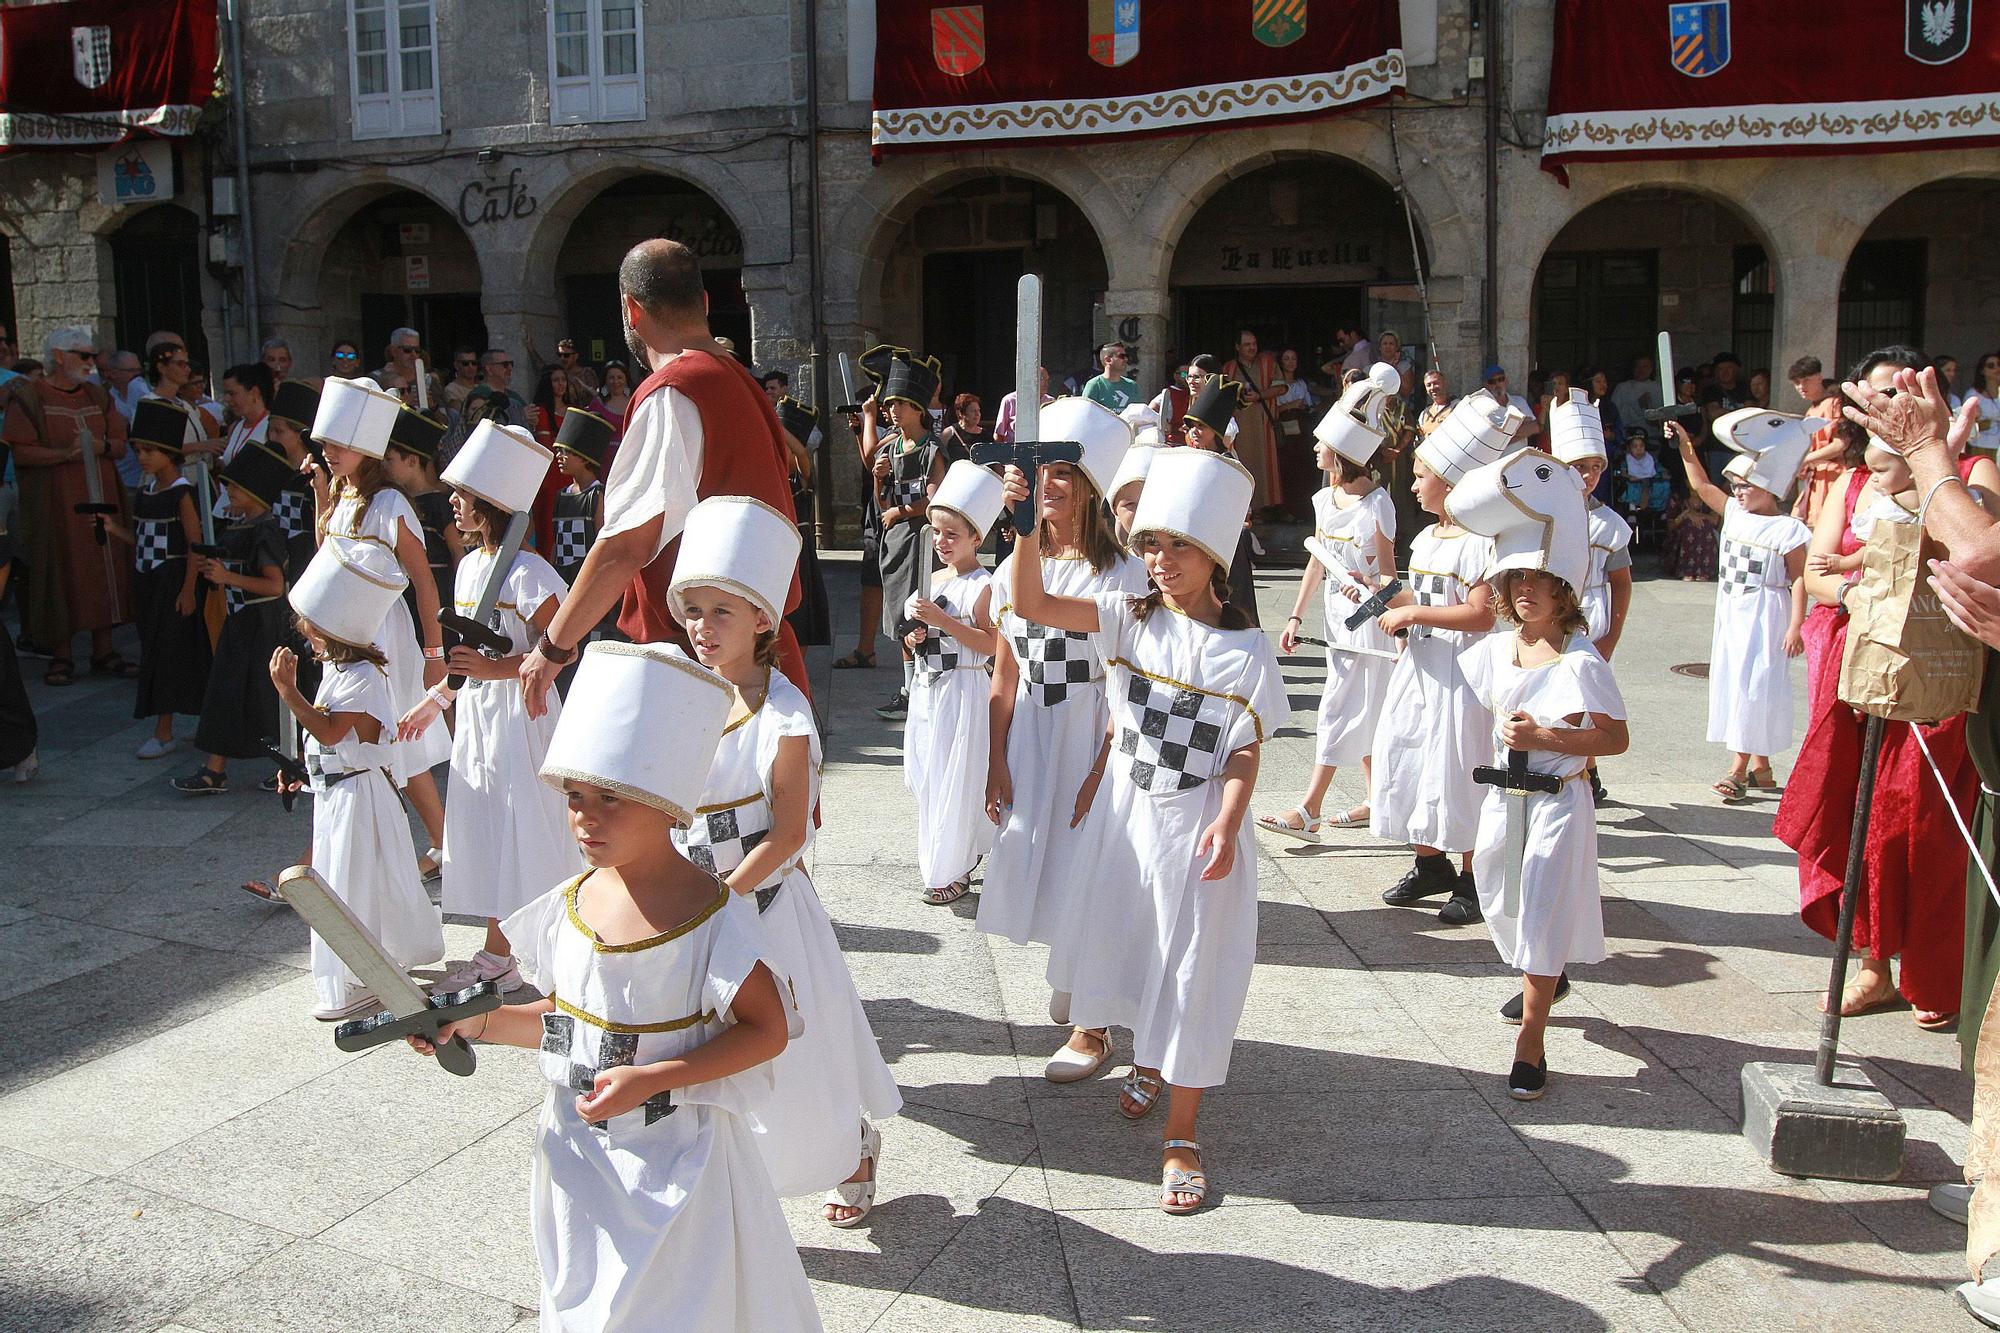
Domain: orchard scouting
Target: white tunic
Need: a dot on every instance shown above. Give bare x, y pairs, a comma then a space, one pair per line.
1562, 919
657, 471
1156, 948
662, 1217
833, 1074
382, 518
506, 832
1610, 549
361, 837
1749, 676
1359, 660
1432, 730
1052, 742
944, 741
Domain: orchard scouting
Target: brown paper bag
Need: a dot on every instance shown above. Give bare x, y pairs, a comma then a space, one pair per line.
1905, 660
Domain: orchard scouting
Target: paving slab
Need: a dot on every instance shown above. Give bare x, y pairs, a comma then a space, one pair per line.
309, 1287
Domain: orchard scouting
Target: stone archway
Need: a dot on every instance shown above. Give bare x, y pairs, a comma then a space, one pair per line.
401, 260
156, 273
1919, 274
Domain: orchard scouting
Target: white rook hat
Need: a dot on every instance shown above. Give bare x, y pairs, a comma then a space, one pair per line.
348, 589
1478, 431
973, 493
1197, 495
1576, 429
502, 465
1103, 434
1776, 443
1138, 463
1353, 429
642, 720
355, 414
740, 545
1139, 416
1533, 508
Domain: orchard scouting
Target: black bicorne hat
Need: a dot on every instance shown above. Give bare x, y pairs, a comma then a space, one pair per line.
911, 380
418, 432
585, 434
262, 471
1216, 405
797, 418
296, 403
161, 424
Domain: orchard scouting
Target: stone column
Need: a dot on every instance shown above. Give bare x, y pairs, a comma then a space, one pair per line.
1138, 318
1807, 319
780, 325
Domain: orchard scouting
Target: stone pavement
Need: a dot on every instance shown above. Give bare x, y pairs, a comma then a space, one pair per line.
182, 1148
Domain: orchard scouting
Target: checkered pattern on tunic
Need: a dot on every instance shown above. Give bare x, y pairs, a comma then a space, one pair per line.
1055, 663
1742, 568
154, 542
905, 491
1174, 747
572, 542
938, 652
720, 838
294, 513
574, 1053
1430, 589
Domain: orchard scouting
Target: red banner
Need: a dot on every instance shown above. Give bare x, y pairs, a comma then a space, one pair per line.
1653, 78
95, 72
1049, 71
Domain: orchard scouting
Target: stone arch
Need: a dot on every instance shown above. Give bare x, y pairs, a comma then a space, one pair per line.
317, 213
1913, 271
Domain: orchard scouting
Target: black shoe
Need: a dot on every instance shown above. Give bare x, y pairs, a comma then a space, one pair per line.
27, 647
896, 707
1429, 877
1598, 796
269, 784
1462, 910
1526, 1082
202, 782
1510, 1012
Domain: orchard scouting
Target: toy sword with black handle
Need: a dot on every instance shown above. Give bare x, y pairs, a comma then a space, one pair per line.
1029, 452
1517, 784
1373, 602
477, 629
1670, 410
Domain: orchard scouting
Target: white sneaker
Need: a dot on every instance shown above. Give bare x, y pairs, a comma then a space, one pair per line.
1981, 1300
359, 1001
25, 770
153, 748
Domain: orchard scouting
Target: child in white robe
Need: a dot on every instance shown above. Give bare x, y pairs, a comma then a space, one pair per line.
1759, 622
361, 837
1551, 695
946, 737
651, 1205
754, 826
1167, 924
1576, 429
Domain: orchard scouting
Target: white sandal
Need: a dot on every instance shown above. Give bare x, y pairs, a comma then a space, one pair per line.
1179, 1180
1069, 1065
857, 1193
1308, 830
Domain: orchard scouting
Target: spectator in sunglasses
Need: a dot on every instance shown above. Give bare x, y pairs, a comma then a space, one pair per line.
345, 359
464, 378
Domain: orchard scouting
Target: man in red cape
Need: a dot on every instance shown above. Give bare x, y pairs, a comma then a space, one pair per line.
698, 426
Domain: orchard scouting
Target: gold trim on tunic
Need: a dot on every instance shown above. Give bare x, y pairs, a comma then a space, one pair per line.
1236, 699
651, 941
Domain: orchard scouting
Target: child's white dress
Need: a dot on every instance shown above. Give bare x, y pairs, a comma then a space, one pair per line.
832, 1075
1432, 731
1052, 742
1359, 661
361, 837
945, 738
1749, 676
378, 521
506, 832
1562, 919
1610, 549
1156, 948
663, 1217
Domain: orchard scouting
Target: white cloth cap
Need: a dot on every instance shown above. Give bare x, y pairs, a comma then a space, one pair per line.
1138, 462
1477, 431
1198, 495
1777, 444
1576, 429
355, 414
1533, 508
502, 465
1103, 434
740, 545
1738, 468
1139, 416
1146, 437
643, 720
348, 589
973, 493
1353, 429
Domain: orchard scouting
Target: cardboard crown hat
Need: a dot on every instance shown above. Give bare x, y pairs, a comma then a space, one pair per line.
261, 470
1533, 508
798, 419
163, 424
417, 431
1478, 430
1215, 406
348, 589
911, 379
585, 434
1101, 433
502, 465
973, 493
355, 414
1576, 429
1776, 442
295, 403
1135, 466
1197, 495
740, 545
1354, 429
643, 720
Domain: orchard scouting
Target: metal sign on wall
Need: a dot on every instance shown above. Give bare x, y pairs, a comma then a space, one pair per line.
140, 172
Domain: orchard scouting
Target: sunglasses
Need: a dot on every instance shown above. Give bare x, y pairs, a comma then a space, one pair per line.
508, 364
346, 356
467, 361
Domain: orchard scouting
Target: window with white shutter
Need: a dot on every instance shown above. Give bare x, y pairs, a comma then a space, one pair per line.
597, 67
392, 68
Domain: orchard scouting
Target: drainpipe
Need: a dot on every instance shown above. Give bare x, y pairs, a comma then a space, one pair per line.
822, 398
1490, 307
253, 319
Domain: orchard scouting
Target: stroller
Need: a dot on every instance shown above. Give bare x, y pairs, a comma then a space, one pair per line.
1642, 498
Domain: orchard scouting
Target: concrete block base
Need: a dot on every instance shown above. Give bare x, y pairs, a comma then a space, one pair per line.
1845, 1132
